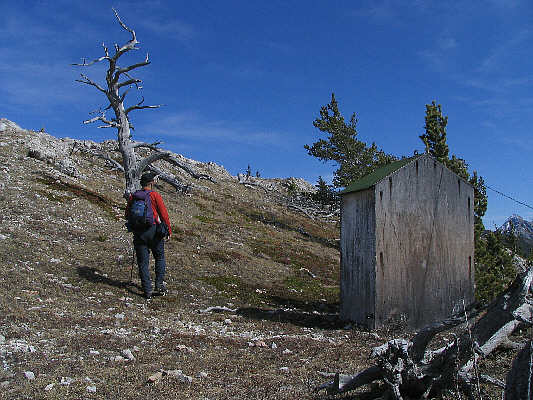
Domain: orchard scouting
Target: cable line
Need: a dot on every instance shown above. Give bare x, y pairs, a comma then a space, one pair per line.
509, 197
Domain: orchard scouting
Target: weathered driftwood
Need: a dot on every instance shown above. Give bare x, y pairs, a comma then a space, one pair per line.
119, 82
410, 370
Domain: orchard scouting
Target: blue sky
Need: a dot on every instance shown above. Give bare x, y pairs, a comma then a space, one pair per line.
242, 81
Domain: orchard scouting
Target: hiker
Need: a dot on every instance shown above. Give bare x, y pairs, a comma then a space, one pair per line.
150, 234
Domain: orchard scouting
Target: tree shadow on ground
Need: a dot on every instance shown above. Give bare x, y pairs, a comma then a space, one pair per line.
95, 276
306, 314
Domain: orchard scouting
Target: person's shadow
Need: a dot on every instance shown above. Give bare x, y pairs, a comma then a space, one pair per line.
93, 275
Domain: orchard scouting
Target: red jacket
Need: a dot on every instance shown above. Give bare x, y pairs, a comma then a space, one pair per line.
158, 208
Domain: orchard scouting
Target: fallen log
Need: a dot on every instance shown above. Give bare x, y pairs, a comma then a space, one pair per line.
409, 369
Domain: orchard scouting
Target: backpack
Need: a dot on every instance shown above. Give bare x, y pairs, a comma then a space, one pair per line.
141, 215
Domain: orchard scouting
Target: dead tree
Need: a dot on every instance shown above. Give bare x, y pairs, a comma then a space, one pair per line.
410, 370
119, 82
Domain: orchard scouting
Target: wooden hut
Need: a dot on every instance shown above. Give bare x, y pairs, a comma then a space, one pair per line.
407, 244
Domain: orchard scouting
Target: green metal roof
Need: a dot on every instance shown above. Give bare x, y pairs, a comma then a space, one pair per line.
367, 181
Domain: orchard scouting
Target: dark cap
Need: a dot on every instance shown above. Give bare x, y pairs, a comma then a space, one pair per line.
147, 177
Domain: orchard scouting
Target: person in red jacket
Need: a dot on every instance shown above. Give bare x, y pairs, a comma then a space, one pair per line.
150, 240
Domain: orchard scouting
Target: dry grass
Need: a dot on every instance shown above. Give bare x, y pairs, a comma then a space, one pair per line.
68, 308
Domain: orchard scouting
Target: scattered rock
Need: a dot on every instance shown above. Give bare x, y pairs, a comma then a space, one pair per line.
273, 346
3, 237
128, 354
66, 380
155, 377
202, 375
91, 389
49, 387
287, 351
118, 359
2, 339
228, 321
4, 384
119, 316
182, 347
284, 369
29, 375
94, 352
178, 374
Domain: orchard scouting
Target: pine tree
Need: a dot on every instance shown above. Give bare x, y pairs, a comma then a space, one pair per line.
435, 136
324, 194
354, 157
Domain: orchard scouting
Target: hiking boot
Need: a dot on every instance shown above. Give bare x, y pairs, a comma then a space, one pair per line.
147, 296
160, 290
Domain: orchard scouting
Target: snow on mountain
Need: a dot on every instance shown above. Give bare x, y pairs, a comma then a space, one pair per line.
522, 229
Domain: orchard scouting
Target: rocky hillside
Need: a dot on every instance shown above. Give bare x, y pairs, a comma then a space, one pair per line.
253, 285
73, 326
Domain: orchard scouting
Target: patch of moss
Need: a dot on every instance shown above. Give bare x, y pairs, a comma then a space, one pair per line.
101, 237
205, 219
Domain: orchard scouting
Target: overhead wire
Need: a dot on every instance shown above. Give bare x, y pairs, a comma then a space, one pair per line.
509, 197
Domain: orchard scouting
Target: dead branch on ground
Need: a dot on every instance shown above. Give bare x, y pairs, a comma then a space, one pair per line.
410, 370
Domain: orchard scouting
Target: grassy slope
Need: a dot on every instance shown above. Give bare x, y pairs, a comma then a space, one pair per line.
68, 309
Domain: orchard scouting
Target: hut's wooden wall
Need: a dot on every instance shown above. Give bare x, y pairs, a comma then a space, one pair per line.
424, 244
358, 258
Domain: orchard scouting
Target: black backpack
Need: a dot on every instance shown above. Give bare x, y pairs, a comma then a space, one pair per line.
140, 216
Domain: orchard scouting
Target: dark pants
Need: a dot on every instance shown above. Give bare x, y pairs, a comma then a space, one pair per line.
144, 243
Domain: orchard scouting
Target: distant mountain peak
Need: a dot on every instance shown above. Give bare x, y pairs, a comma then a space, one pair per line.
522, 229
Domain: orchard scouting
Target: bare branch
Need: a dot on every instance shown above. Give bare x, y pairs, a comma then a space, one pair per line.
139, 106
169, 157
170, 179
153, 146
345, 383
423, 337
173, 160
114, 164
145, 162
128, 46
120, 71
132, 81
102, 118
87, 64
87, 81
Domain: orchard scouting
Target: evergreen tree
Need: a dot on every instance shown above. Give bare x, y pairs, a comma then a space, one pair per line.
248, 171
354, 157
325, 194
435, 133
494, 267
